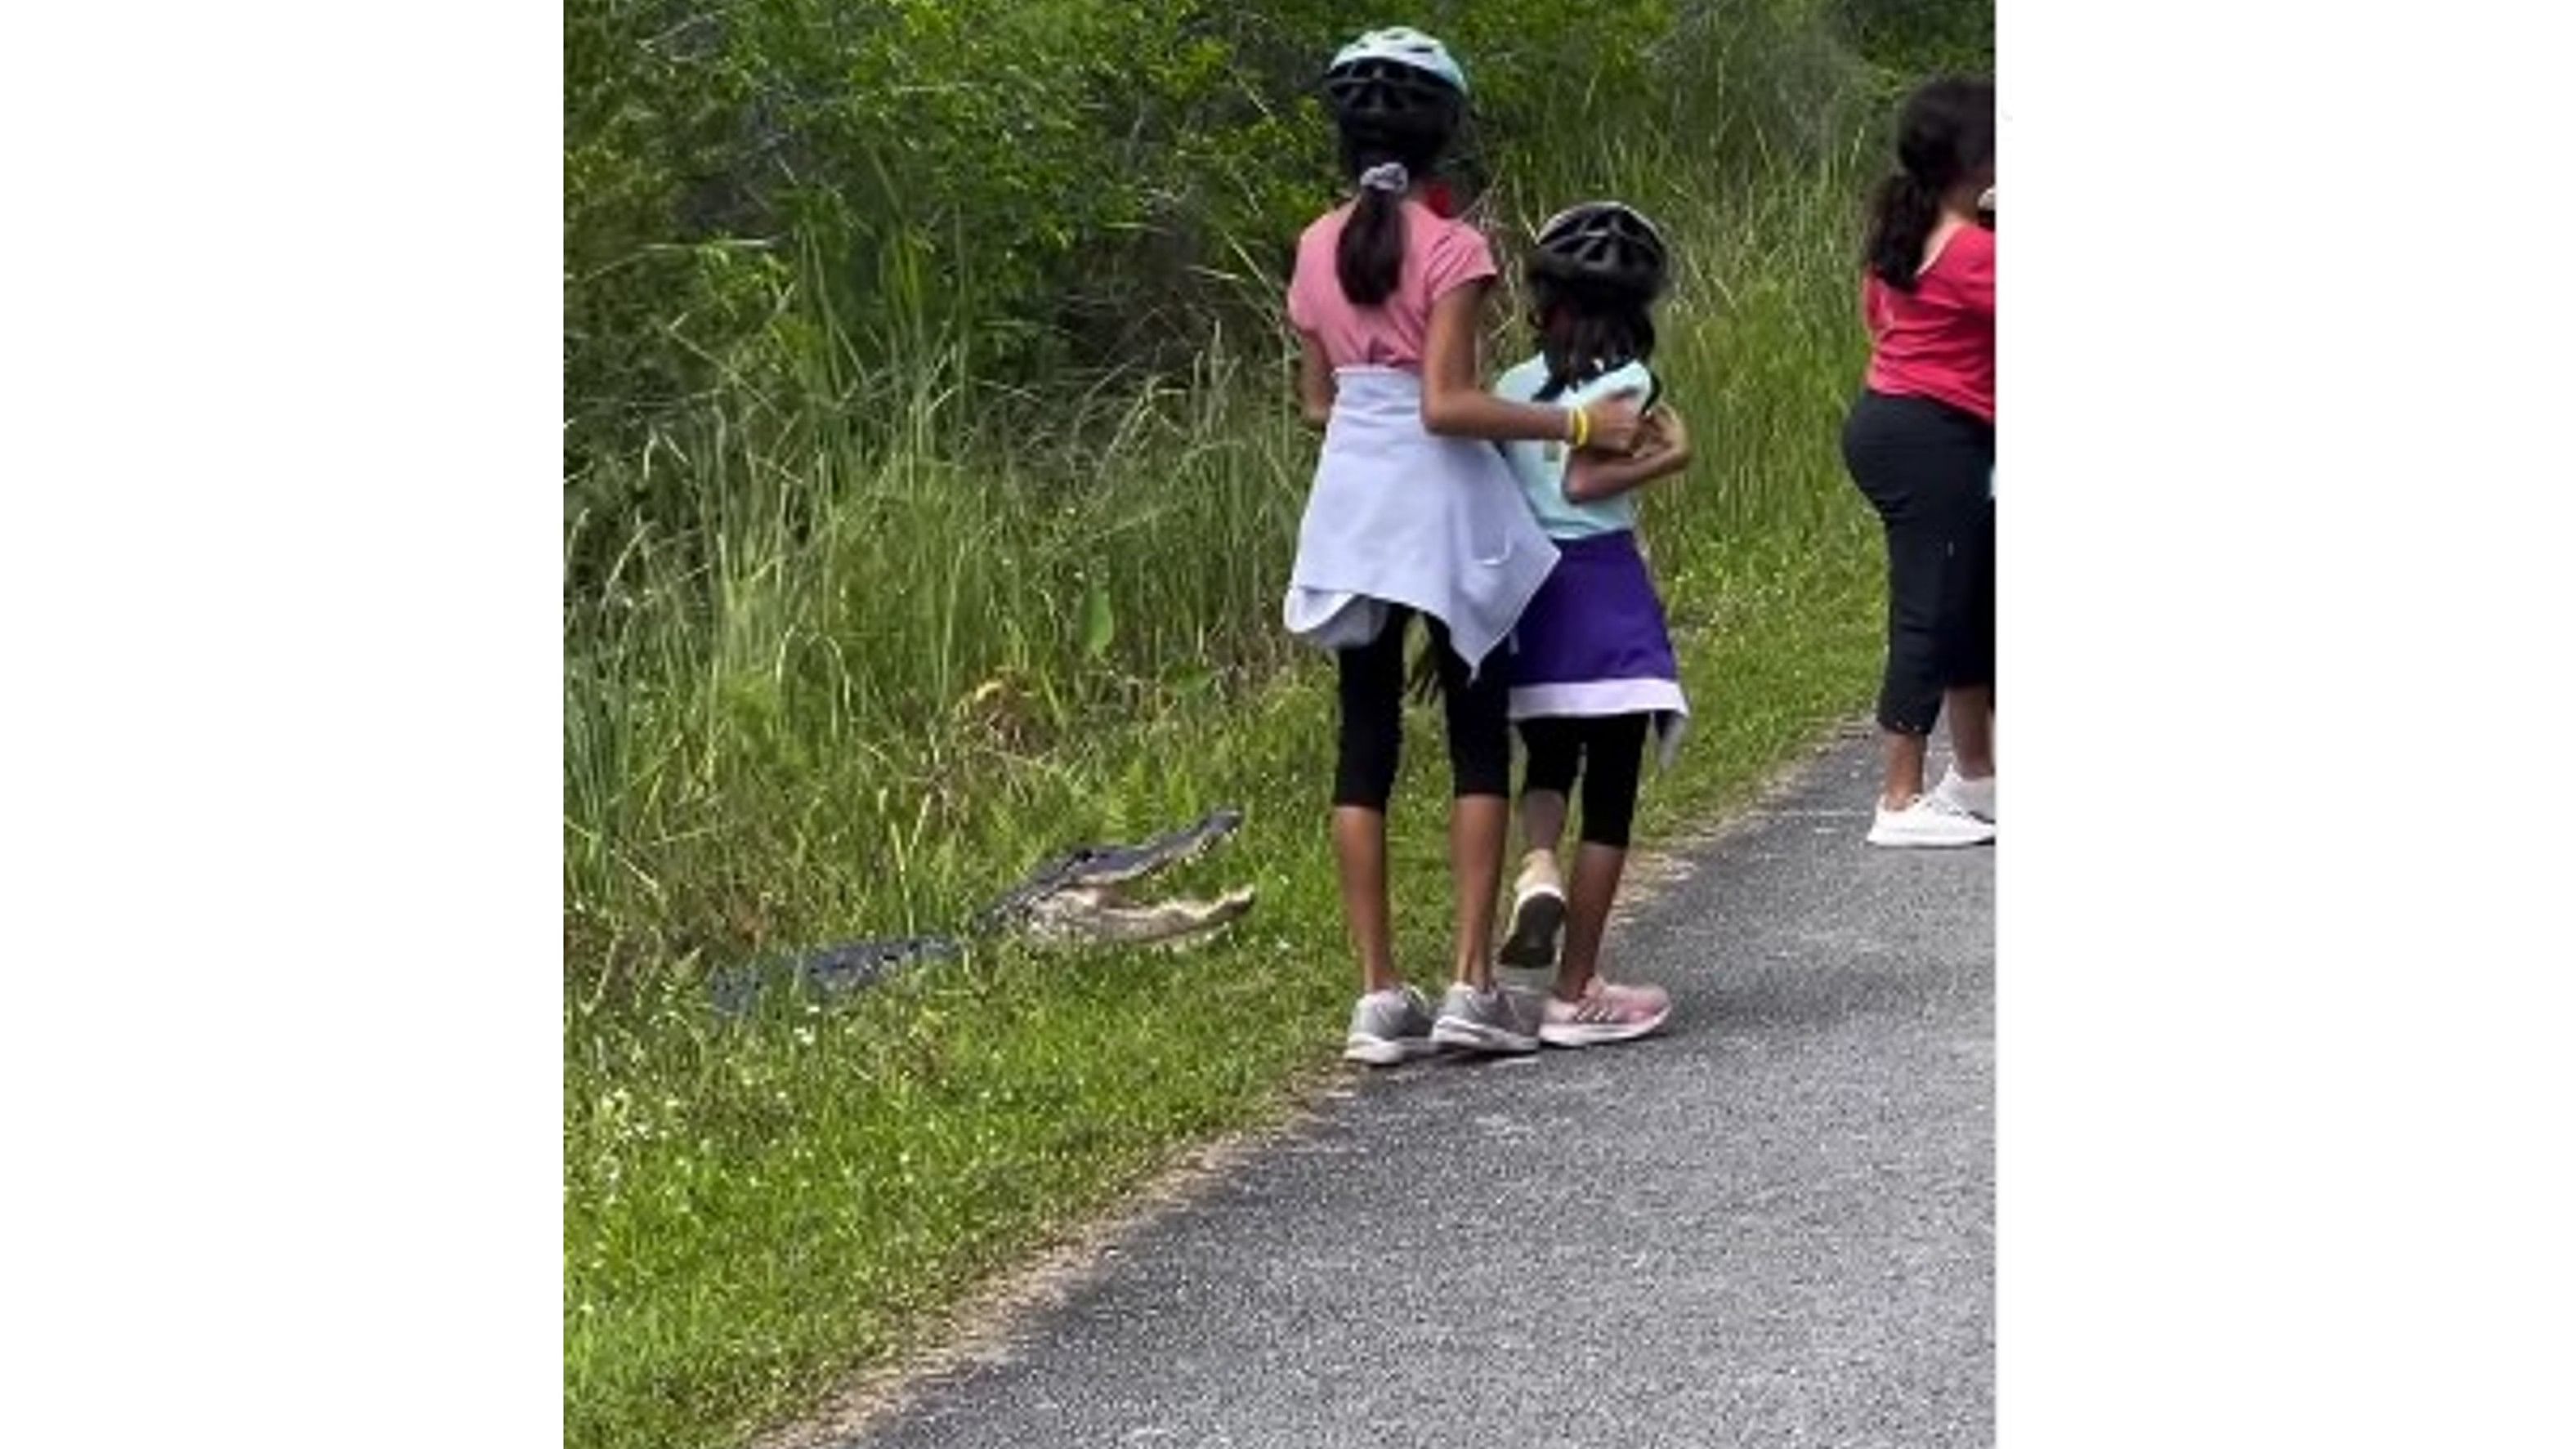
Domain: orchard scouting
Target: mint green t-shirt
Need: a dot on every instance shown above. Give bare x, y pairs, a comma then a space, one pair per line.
1540, 467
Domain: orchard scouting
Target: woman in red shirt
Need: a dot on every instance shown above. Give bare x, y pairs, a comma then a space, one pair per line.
1920, 442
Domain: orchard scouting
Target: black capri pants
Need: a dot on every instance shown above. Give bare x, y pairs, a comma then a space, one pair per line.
1928, 468
1372, 694
1609, 751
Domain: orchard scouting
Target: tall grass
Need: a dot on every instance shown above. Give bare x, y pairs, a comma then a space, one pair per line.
775, 726
929, 631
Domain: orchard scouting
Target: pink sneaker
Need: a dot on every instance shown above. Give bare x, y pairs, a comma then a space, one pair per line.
1607, 1013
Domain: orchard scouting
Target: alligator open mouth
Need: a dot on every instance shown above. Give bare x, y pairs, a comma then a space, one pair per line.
1081, 897
1078, 898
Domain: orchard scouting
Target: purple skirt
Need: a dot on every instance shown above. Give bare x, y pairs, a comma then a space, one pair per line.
1593, 640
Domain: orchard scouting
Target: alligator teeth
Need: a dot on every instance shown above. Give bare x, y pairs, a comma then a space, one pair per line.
1100, 916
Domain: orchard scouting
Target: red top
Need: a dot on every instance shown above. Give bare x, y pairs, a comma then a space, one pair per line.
1938, 341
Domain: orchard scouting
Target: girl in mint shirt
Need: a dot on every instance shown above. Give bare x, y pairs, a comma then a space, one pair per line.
1592, 663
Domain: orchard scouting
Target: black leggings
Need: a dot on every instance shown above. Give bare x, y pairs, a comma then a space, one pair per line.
1929, 468
1372, 689
1610, 751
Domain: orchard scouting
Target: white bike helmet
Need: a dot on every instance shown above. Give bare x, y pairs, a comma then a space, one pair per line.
1398, 74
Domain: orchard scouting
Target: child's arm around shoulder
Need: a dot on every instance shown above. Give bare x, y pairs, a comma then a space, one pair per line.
1455, 403
1663, 449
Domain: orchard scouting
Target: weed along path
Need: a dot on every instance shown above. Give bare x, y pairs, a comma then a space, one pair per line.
1773, 1226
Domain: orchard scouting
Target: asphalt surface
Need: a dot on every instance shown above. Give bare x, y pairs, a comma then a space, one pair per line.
1771, 1226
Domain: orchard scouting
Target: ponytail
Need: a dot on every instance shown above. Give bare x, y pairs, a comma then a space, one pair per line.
1901, 221
1945, 133
1383, 160
1370, 257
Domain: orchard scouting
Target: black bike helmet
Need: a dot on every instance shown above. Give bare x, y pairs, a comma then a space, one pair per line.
1398, 78
1602, 244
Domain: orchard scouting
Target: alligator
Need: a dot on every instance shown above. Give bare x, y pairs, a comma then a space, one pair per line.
1076, 898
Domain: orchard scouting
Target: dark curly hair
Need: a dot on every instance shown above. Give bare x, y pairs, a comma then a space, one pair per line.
1945, 134
1587, 330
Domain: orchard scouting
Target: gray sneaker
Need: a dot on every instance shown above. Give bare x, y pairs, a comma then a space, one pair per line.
1389, 1028
1496, 1019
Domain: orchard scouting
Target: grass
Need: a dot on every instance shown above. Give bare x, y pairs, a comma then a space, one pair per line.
905, 658
754, 1211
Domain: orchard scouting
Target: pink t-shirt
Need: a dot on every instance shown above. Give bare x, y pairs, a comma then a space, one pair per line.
1439, 254
1939, 340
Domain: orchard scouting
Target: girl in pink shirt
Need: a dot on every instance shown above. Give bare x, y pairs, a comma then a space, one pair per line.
1412, 512
1920, 443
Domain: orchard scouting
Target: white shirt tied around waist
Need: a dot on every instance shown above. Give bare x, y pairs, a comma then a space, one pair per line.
1398, 515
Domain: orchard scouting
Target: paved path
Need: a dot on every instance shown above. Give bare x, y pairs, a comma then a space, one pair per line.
1773, 1226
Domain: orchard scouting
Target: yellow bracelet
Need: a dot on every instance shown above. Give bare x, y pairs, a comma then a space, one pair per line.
1582, 429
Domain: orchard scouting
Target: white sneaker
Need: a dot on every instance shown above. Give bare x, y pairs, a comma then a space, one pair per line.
1977, 797
1538, 909
1930, 822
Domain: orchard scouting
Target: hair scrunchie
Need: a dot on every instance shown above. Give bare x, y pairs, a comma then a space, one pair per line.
1390, 176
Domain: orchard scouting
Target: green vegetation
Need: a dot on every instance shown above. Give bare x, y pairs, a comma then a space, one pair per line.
907, 543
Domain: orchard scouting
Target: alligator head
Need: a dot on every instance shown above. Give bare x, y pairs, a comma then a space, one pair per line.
1079, 897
